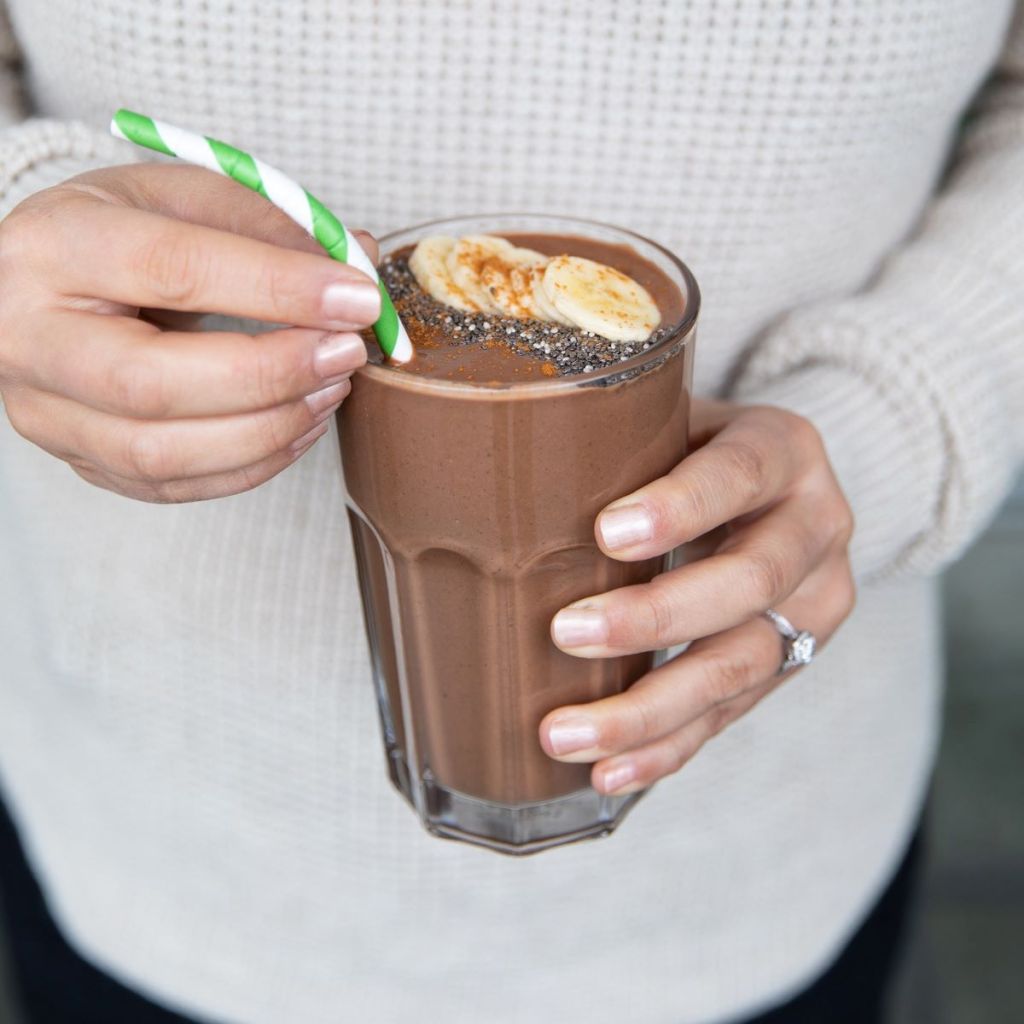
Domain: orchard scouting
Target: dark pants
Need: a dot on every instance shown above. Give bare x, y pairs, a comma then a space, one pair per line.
56, 986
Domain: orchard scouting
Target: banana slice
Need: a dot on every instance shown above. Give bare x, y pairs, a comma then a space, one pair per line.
508, 279
599, 298
544, 306
468, 258
429, 266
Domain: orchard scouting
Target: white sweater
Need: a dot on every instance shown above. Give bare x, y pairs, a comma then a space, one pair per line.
187, 727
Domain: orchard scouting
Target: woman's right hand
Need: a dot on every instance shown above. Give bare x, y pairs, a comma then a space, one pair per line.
101, 278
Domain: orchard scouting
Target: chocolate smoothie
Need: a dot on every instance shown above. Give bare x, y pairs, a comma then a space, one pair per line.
474, 475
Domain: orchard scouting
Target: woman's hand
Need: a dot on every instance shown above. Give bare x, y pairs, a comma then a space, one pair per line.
762, 471
96, 274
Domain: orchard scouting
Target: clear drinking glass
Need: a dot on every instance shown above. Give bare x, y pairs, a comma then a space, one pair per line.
472, 511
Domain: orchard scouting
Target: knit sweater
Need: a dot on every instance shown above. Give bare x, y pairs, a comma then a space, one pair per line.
188, 734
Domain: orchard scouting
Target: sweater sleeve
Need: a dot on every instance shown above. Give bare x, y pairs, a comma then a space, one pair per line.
917, 383
37, 152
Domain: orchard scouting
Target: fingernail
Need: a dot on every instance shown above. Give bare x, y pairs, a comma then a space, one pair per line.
308, 438
576, 627
568, 735
621, 527
621, 775
327, 400
351, 302
339, 353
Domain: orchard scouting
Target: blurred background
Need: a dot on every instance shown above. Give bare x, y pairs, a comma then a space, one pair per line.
963, 962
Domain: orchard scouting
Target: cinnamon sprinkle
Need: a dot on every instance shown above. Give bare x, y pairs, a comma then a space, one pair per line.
564, 351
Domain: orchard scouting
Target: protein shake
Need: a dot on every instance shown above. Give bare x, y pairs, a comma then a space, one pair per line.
474, 476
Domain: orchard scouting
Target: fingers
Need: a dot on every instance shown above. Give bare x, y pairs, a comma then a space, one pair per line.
199, 196
218, 485
659, 722
151, 260
90, 268
759, 566
746, 466
153, 452
128, 367
643, 767
188, 193
666, 699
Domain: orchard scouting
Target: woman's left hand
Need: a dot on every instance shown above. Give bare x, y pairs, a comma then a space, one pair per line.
762, 472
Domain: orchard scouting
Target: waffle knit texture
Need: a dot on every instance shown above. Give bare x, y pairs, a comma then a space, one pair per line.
187, 729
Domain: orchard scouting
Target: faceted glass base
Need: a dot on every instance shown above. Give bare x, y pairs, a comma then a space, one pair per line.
513, 829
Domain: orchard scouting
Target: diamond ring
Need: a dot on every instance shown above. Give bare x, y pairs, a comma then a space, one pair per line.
798, 645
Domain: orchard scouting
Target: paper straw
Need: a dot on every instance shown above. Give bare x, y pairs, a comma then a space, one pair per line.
306, 210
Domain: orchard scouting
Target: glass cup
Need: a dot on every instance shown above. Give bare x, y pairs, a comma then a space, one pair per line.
472, 511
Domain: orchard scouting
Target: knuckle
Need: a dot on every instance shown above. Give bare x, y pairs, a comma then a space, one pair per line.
673, 509
105, 483
636, 721
250, 477
681, 750
843, 521
137, 386
20, 239
725, 675
766, 576
846, 595
116, 485
284, 292
147, 457
271, 375
85, 471
718, 718
749, 467
270, 223
174, 265
658, 626
660, 512
802, 433
692, 501
276, 432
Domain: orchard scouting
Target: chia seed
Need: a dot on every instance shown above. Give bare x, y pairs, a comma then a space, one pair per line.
570, 350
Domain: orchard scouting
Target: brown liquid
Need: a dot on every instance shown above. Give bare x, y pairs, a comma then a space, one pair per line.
472, 511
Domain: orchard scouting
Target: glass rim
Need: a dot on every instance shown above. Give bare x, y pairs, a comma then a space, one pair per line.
680, 333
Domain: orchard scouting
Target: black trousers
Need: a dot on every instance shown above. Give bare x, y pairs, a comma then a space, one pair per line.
56, 986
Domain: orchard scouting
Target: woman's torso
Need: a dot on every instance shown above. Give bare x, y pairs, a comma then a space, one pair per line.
188, 727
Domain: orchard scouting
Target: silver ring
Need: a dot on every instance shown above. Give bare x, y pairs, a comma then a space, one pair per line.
798, 645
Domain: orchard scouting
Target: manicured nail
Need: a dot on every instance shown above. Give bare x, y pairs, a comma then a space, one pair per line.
352, 302
621, 775
568, 735
579, 627
621, 527
338, 353
308, 438
327, 399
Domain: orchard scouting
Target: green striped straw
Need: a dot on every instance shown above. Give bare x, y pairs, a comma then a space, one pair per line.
306, 210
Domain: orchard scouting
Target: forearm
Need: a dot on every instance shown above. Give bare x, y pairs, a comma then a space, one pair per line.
917, 384
39, 153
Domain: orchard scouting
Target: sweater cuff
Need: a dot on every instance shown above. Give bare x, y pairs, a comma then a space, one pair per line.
39, 153
915, 387
891, 483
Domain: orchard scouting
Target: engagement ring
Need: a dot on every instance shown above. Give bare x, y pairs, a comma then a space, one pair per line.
798, 645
